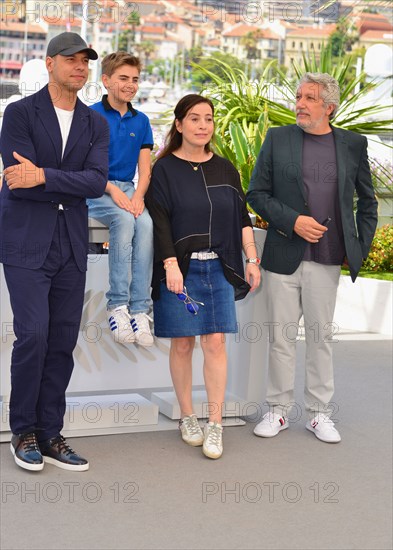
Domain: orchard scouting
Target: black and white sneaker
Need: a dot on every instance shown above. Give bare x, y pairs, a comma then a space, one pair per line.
56, 451
26, 451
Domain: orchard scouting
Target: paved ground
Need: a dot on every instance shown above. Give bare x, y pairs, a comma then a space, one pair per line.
151, 491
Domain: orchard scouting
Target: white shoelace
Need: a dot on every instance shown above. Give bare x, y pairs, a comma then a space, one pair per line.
123, 319
323, 419
192, 425
214, 435
271, 417
142, 320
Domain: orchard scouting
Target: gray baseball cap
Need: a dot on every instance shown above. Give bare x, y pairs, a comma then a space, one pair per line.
68, 43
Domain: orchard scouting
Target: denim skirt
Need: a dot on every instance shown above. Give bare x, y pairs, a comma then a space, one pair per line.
205, 282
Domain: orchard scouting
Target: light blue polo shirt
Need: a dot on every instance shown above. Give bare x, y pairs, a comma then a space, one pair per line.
128, 135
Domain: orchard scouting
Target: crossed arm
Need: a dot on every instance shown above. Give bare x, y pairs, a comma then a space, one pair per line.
23, 175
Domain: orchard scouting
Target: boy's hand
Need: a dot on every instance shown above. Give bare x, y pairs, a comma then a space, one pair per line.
120, 198
137, 205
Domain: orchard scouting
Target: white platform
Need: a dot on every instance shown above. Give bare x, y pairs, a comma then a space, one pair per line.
98, 232
366, 305
109, 375
104, 414
169, 406
109, 411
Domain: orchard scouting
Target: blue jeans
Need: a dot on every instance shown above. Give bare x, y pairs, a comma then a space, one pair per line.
130, 251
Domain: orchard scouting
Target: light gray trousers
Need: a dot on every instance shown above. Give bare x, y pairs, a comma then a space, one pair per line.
310, 291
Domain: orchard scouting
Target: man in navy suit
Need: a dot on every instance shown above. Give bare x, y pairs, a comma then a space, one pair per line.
55, 153
303, 184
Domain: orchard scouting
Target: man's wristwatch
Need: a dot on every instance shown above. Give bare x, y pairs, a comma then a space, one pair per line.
256, 261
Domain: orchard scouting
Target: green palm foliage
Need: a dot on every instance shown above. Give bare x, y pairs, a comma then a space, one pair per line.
245, 142
350, 115
237, 99
245, 110
242, 150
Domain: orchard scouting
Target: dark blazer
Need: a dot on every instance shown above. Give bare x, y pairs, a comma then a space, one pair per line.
277, 193
28, 216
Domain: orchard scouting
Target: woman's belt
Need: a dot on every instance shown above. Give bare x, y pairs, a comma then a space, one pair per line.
204, 256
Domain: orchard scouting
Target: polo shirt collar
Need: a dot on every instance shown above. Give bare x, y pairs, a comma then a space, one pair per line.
108, 107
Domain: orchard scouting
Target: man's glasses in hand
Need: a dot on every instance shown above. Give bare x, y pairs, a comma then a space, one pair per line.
190, 304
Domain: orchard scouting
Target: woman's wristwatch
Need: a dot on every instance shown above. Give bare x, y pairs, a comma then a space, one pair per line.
256, 261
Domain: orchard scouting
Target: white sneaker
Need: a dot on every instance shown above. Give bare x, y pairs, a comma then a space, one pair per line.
271, 424
120, 324
212, 442
140, 326
191, 431
323, 428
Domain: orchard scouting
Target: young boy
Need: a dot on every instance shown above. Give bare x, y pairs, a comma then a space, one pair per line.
122, 207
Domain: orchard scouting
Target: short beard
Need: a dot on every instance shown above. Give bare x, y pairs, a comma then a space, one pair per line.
310, 125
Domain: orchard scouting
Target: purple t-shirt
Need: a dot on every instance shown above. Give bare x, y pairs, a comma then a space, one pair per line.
320, 182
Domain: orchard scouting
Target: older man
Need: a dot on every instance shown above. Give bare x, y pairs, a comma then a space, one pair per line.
55, 153
303, 184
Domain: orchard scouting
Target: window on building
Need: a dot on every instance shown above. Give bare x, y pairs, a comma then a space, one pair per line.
301, 45
312, 45
293, 44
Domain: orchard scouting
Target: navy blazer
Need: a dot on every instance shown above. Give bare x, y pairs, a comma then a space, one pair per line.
28, 216
277, 193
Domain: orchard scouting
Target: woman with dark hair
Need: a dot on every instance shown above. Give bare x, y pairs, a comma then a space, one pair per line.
201, 225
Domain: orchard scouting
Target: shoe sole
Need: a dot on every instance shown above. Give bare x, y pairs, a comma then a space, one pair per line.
144, 345
26, 465
64, 466
210, 455
272, 435
193, 443
119, 341
311, 429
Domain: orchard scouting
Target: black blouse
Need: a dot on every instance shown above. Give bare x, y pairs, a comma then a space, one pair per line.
195, 210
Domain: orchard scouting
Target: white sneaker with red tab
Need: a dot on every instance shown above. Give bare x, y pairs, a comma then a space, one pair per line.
272, 423
323, 428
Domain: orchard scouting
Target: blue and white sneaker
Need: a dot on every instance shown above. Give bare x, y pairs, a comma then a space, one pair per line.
140, 326
120, 324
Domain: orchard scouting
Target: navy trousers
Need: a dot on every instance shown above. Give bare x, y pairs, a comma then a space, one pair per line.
47, 307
